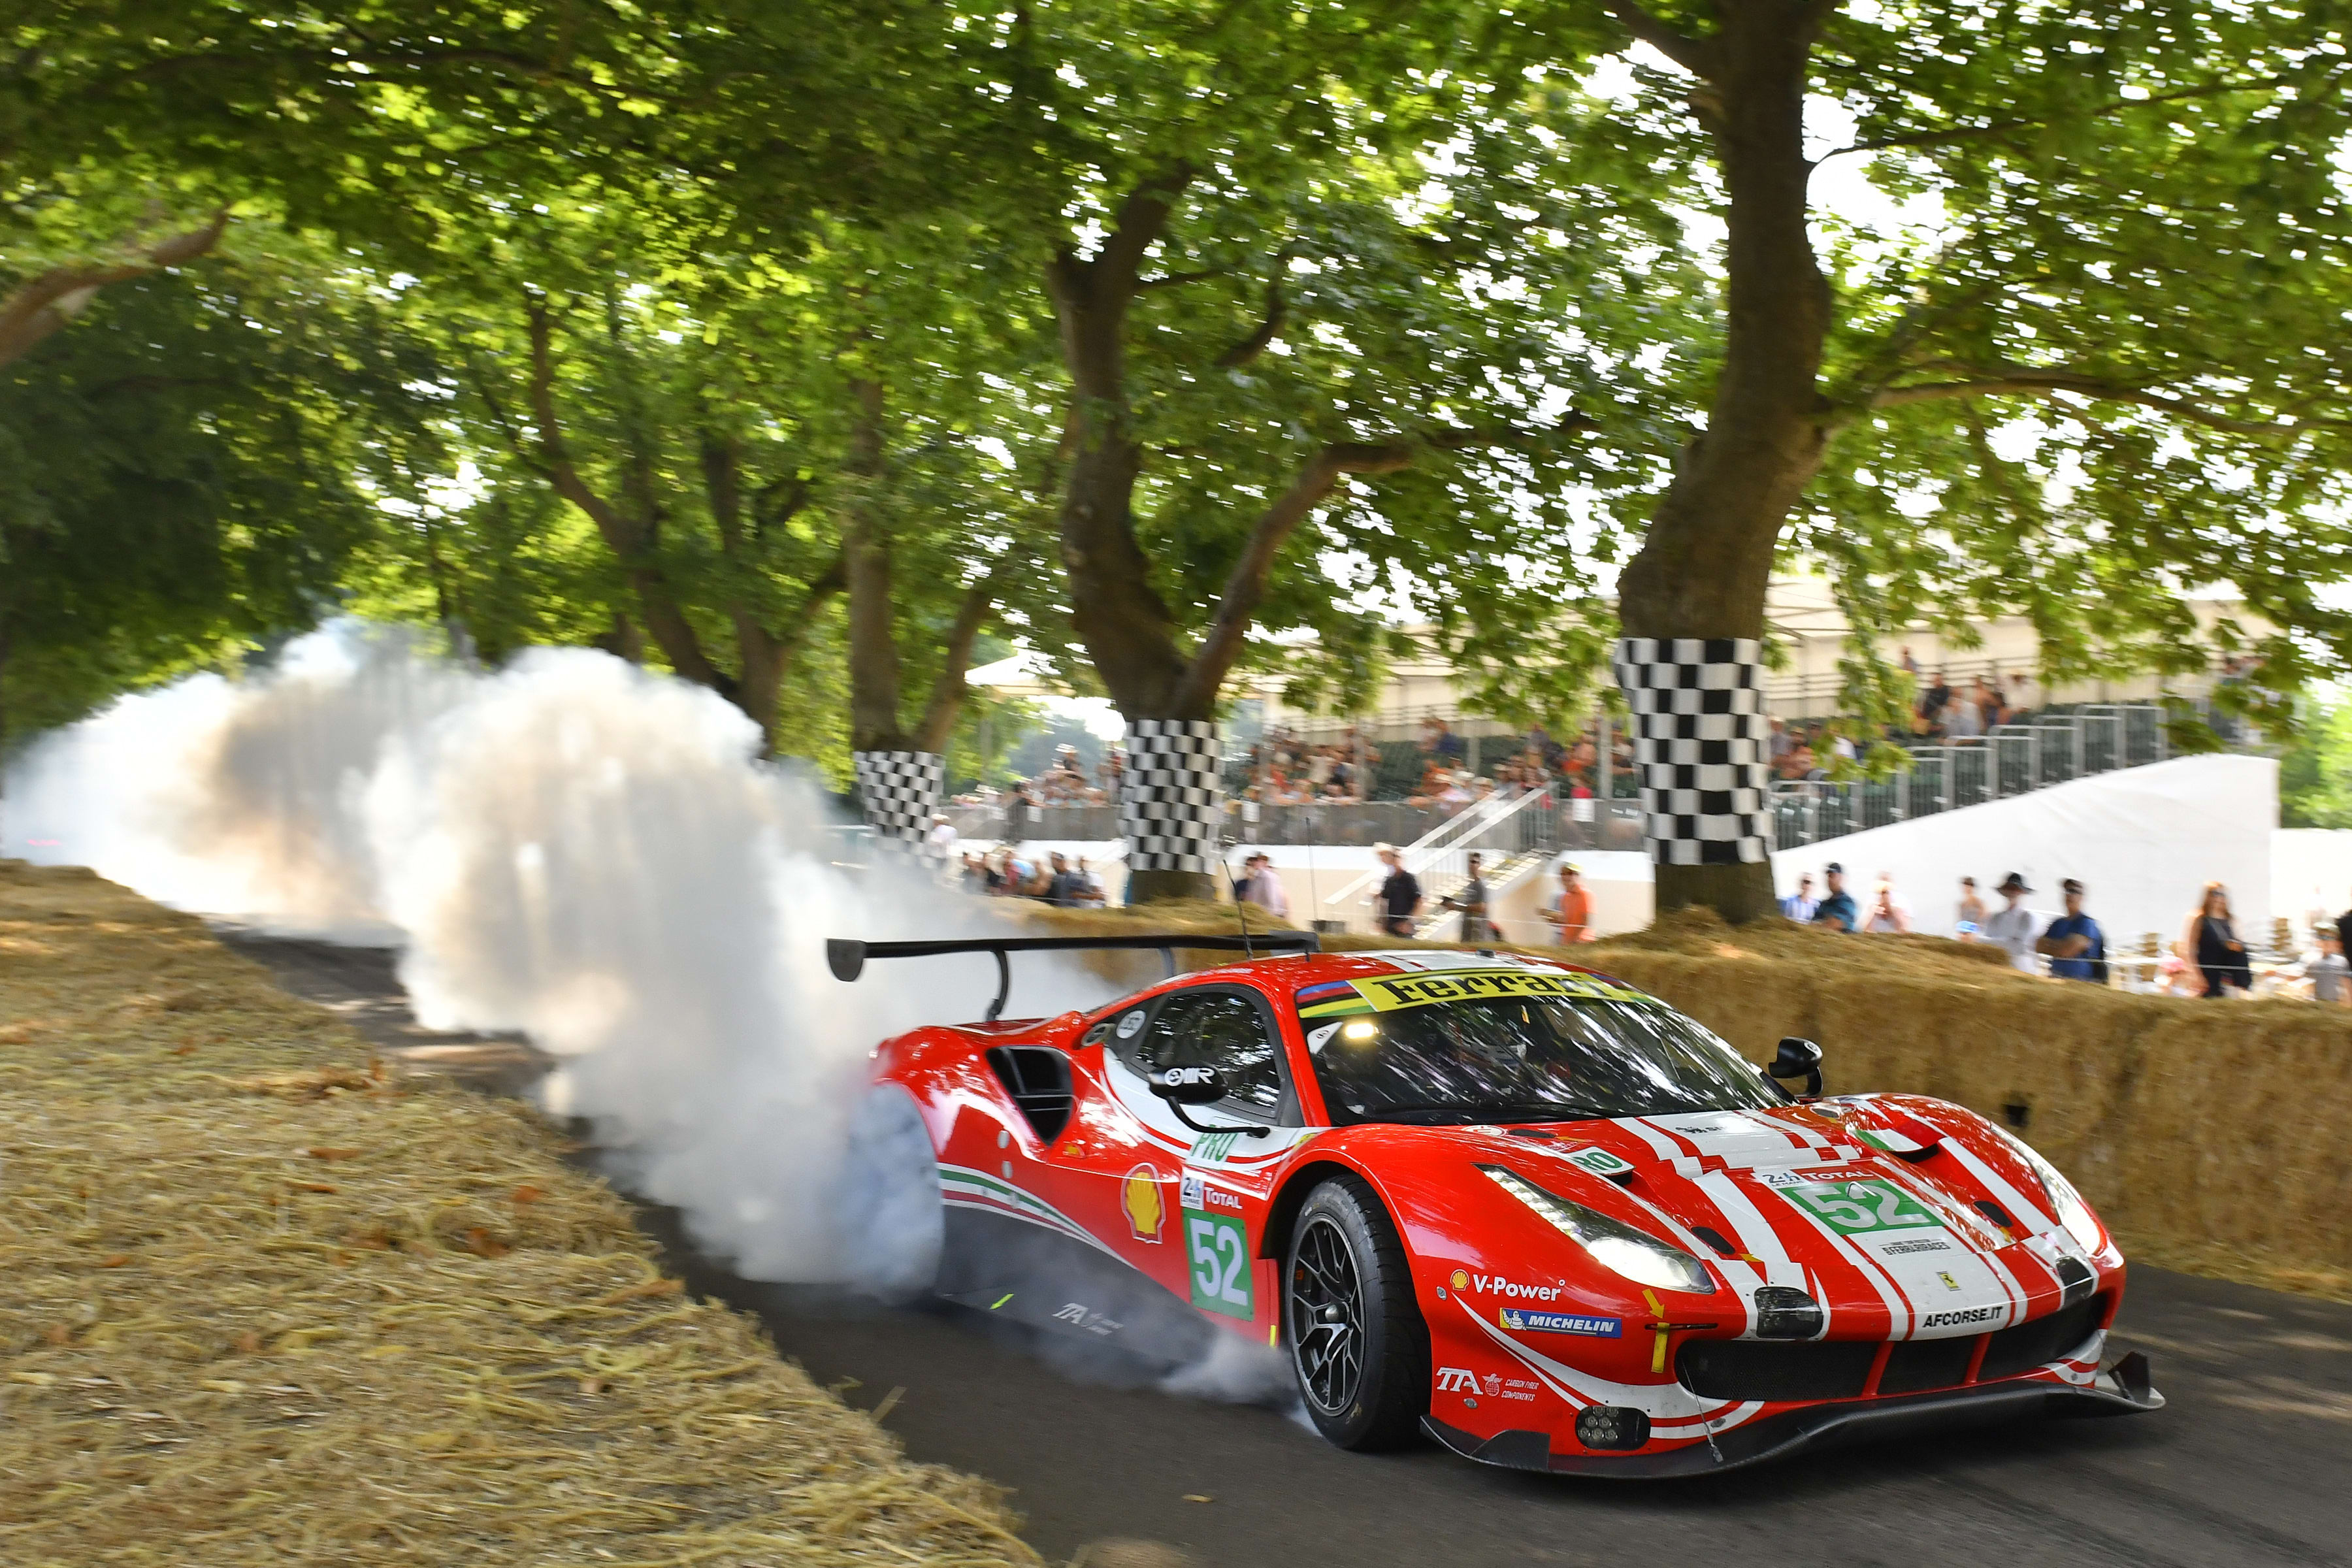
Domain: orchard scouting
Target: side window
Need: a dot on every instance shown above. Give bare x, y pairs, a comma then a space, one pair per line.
1218, 1029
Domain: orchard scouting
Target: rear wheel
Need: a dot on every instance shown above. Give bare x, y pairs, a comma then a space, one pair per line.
892, 1223
1356, 1341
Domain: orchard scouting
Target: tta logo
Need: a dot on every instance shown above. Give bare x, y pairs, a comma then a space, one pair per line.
1079, 1315
1139, 1199
1456, 1380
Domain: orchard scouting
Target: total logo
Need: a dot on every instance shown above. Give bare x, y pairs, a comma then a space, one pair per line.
1196, 1194
1495, 1285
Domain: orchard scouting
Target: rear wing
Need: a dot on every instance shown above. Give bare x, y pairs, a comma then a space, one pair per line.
847, 958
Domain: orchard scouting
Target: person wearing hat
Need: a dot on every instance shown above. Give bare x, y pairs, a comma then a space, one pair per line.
2077, 947
1836, 907
1570, 911
2011, 927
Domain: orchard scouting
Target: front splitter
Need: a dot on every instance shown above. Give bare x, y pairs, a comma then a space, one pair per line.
2123, 1390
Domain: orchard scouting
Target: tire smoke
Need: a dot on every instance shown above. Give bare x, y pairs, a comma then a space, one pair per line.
571, 847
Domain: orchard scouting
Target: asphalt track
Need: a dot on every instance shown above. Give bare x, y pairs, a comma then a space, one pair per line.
2251, 1463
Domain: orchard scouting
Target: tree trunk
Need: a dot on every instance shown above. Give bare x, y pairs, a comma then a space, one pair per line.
1703, 571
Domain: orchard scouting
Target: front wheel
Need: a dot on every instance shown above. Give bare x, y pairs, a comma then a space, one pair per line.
1356, 1341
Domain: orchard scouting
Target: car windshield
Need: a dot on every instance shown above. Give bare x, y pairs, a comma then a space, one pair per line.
1523, 1058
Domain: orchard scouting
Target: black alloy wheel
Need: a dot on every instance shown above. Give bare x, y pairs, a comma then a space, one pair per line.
1356, 1341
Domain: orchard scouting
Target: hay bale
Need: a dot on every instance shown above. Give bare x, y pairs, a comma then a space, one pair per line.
2208, 1134
267, 1304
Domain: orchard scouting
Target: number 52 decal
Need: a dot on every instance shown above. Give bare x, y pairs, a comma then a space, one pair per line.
1850, 1206
1219, 1250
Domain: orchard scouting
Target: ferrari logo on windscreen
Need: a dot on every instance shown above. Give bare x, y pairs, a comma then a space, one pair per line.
1387, 993
1138, 1196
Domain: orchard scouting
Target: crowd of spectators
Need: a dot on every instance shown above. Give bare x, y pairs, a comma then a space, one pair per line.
1058, 879
1285, 770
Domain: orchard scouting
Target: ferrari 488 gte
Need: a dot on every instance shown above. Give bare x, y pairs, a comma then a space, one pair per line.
1526, 1209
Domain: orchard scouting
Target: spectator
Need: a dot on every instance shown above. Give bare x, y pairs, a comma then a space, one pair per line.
2329, 972
1399, 893
2011, 926
1086, 888
1972, 911
1060, 890
1888, 912
1780, 743
2344, 933
1799, 905
1441, 744
1836, 907
1472, 902
1570, 911
1262, 885
1910, 665
1937, 697
942, 842
2077, 947
1986, 699
2210, 944
1963, 719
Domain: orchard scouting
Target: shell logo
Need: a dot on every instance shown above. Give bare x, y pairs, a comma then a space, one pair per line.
1461, 1279
1139, 1199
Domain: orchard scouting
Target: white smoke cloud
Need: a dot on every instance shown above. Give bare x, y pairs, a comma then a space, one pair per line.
569, 848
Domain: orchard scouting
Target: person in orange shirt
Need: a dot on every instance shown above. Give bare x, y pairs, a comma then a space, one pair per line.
1570, 909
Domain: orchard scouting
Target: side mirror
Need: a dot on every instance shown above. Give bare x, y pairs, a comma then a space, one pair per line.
1189, 1085
1798, 1058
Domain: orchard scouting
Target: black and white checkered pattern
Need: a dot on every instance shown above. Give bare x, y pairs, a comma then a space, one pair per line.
1169, 801
1699, 727
899, 792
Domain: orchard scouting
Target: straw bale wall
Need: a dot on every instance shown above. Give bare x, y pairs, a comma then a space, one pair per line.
2212, 1135
261, 1303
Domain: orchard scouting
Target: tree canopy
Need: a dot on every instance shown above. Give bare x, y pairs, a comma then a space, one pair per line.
1186, 338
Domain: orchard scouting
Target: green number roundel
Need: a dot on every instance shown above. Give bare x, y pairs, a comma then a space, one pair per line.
1847, 1207
1219, 1250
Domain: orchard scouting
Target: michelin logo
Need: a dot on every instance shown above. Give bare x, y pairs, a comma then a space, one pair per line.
1526, 1322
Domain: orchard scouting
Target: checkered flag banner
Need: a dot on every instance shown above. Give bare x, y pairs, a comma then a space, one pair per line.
899, 792
1700, 730
1169, 809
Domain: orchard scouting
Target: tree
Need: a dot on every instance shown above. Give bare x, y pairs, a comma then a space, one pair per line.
187, 473
1324, 289
2056, 397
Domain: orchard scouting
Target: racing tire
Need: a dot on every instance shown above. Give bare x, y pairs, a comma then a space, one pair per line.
1357, 1343
890, 1216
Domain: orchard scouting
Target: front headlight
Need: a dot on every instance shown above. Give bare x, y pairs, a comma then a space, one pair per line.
1612, 1244
2065, 1201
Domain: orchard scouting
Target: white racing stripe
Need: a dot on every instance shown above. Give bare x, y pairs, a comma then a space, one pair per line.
1898, 1307
1935, 1200
961, 1186
1756, 1236
1663, 1147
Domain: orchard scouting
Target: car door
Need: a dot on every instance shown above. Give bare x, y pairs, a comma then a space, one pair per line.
1183, 1203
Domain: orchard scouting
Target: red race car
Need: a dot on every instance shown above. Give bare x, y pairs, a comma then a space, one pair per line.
1519, 1207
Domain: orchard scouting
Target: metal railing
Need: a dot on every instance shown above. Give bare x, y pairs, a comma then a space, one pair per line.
2053, 748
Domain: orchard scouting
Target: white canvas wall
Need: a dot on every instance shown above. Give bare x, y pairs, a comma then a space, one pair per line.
2143, 839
